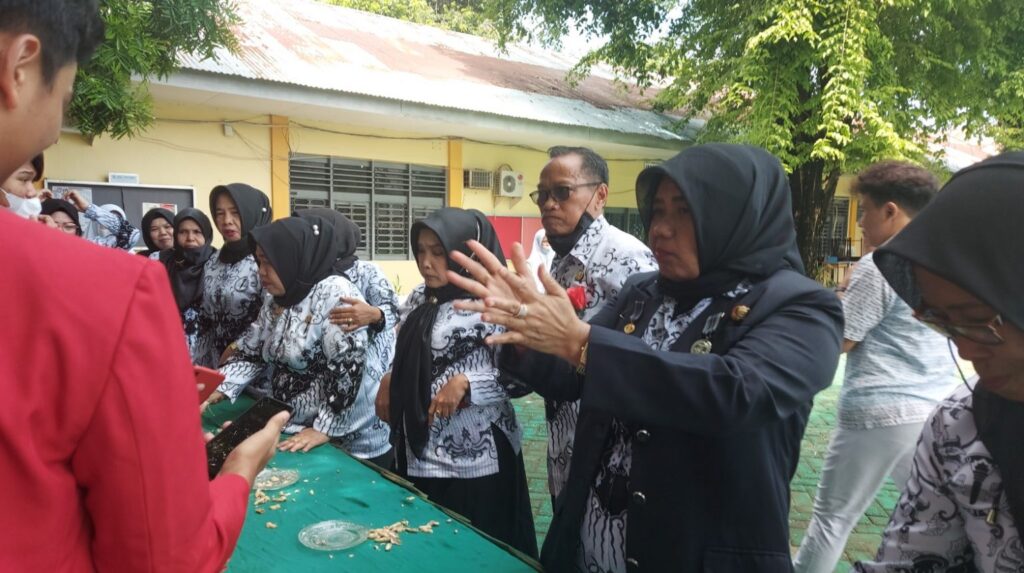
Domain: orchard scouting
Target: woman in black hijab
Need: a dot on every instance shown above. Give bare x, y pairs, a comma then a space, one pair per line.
157, 231
960, 265
317, 368
454, 429
695, 383
185, 264
231, 286
64, 215
377, 312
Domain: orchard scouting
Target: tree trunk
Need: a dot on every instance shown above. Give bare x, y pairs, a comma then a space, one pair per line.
813, 185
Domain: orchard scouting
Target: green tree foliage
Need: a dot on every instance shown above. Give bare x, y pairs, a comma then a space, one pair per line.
144, 39
827, 85
466, 16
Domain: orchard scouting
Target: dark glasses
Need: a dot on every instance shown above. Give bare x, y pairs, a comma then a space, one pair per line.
986, 333
559, 193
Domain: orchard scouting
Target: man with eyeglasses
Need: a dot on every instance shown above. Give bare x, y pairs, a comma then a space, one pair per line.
590, 254
897, 371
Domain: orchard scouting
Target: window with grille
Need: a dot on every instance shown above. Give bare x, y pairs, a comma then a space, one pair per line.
627, 220
834, 241
383, 198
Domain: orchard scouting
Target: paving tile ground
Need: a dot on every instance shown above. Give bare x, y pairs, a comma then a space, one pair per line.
862, 543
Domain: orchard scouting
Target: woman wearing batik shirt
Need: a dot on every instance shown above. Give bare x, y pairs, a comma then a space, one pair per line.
107, 225
185, 263
317, 367
958, 265
231, 284
456, 435
157, 232
377, 314
695, 383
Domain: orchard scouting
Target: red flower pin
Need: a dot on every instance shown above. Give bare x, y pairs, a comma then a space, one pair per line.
578, 297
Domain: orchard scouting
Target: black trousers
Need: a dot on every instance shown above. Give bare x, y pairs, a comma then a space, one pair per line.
498, 504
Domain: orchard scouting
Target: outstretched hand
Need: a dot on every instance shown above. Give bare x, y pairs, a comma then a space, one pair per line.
545, 322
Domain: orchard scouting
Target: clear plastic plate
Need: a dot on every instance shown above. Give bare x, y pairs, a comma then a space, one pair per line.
275, 478
332, 535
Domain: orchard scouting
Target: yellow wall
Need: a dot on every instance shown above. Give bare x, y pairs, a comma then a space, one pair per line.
195, 153
378, 144
529, 163
188, 147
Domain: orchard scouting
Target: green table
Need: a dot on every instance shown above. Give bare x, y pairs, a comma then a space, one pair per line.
334, 485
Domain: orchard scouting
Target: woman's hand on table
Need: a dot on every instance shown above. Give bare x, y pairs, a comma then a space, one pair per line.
448, 399
545, 322
383, 402
252, 455
356, 314
215, 397
304, 441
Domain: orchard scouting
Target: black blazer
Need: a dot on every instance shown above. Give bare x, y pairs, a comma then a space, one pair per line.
716, 438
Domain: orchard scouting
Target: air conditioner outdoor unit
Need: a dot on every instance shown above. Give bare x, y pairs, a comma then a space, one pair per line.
510, 184
478, 179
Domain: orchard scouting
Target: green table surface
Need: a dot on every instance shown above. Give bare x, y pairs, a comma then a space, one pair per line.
334, 485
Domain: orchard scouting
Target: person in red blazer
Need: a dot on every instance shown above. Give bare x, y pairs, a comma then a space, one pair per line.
102, 463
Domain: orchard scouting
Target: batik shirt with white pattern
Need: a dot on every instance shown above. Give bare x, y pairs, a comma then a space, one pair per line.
463, 446
371, 435
942, 520
317, 366
122, 234
232, 297
603, 533
601, 261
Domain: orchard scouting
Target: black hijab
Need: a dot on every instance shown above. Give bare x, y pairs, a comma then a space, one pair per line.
740, 202
253, 211
147, 220
185, 266
969, 235
412, 371
302, 251
346, 236
51, 206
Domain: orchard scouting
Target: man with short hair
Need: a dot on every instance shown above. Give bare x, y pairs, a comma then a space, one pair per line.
897, 371
591, 257
101, 451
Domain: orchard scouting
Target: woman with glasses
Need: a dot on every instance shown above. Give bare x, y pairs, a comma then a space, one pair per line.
960, 264
64, 215
695, 382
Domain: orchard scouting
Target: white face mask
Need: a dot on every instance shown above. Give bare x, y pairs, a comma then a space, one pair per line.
25, 208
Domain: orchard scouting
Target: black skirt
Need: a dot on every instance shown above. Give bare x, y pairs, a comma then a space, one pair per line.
498, 504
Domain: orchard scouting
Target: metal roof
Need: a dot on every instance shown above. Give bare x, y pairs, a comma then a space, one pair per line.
321, 46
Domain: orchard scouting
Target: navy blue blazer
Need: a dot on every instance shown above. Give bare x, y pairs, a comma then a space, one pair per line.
716, 437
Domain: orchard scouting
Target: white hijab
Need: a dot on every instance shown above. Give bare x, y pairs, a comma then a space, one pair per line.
541, 255
92, 230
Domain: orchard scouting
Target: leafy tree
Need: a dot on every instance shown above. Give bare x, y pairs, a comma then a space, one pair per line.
144, 39
827, 85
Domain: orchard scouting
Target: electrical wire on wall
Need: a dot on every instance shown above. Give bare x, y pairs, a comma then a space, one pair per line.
259, 122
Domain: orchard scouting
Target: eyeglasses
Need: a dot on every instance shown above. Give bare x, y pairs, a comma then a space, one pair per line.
559, 193
983, 332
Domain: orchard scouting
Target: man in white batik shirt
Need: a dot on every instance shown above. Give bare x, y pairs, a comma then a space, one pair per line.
592, 261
